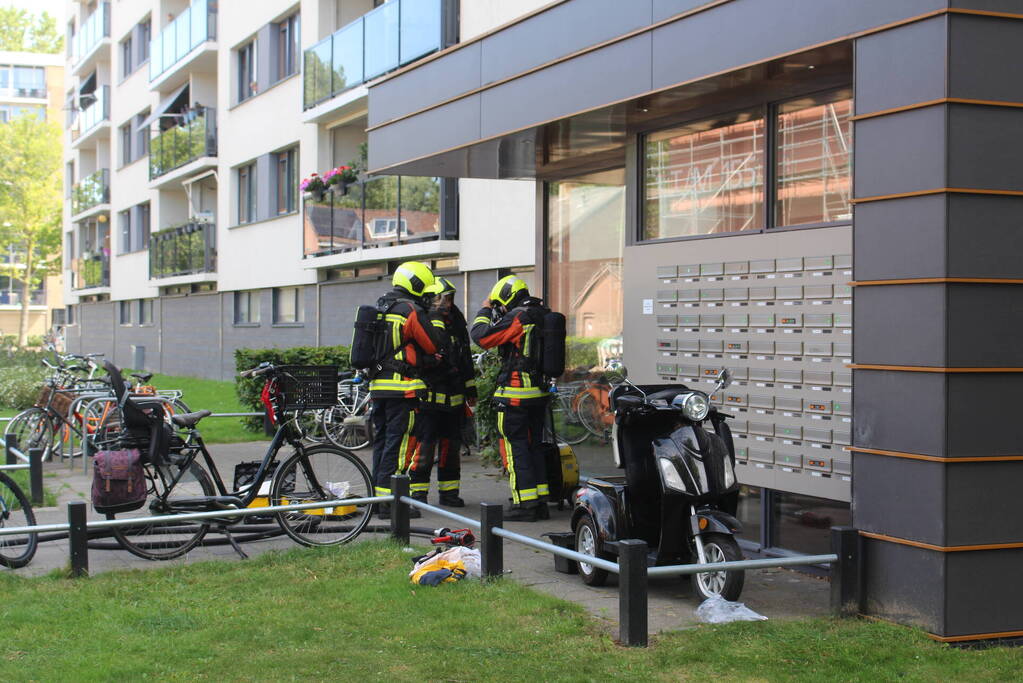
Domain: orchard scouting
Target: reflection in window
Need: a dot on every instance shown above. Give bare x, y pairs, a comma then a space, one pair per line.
287, 305
750, 512
814, 151
803, 523
246, 308
145, 311
705, 178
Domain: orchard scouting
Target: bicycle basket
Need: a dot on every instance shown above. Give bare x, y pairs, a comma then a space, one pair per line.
308, 386
62, 400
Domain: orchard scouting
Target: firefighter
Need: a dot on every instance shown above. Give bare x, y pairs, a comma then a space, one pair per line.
511, 320
411, 344
442, 411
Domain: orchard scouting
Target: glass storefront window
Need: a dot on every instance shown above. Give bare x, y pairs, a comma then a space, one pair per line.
585, 241
750, 512
814, 153
705, 177
803, 523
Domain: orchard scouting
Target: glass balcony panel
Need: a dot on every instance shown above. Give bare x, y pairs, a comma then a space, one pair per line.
183, 34
420, 208
420, 28
183, 250
96, 112
189, 30
333, 223
318, 73
91, 191
381, 39
169, 35
155, 57
381, 211
198, 23
177, 146
93, 30
348, 57
91, 271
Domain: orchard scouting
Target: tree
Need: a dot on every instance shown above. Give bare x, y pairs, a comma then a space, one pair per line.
30, 205
22, 31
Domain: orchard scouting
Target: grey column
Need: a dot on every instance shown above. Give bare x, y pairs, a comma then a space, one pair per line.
940, 189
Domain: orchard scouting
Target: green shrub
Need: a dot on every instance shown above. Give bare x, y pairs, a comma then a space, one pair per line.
20, 386
248, 390
485, 414
581, 352
22, 358
35, 341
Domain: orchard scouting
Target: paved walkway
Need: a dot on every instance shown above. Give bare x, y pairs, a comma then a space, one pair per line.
775, 593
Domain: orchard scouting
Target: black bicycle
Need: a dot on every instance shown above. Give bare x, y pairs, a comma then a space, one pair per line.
16, 550
179, 483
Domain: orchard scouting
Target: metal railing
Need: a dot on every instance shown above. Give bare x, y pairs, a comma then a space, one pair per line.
183, 250
191, 28
194, 138
93, 271
90, 191
93, 30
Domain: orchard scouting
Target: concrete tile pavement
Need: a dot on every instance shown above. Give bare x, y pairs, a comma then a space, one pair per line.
775, 593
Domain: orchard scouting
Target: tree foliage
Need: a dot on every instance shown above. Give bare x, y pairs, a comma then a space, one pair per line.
22, 31
30, 204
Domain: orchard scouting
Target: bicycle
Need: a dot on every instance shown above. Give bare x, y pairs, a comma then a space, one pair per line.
178, 483
347, 423
15, 511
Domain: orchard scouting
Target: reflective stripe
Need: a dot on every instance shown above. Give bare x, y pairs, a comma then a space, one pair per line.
542, 490
419, 488
447, 485
509, 457
470, 383
519, 392
438, 323
445, 399
481, 319
407, 443
527, 494
381, 491
397, 385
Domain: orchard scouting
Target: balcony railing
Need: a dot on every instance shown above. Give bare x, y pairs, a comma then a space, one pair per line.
95, 113
183, 250
90, 191
191, 28
37, 92
392, 35
9, 298
91, 271
196, 137
95, 29
382, 211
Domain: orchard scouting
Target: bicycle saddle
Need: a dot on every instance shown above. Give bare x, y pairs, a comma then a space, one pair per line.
142, 377
189, 420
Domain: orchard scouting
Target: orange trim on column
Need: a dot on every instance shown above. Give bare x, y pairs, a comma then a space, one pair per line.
932, 103
940, 548
937, 190
935, 458
949, 639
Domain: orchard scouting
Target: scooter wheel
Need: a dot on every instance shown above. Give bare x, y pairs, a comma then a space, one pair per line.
728, 585
586, 542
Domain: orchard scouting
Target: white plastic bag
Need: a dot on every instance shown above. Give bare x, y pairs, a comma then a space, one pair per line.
717, 610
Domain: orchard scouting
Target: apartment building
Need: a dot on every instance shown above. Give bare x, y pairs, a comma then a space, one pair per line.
31, 84
192, 125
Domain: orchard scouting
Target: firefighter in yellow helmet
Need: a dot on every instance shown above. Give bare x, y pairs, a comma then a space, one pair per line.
411, 343
442, 411
511, 321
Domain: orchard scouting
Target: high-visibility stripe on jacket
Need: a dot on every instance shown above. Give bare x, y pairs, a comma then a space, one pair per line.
516, 339
410, 335
448, 386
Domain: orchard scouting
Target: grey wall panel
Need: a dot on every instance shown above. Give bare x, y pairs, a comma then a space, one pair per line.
984, 505
984, 236
663, 9
898, 153
982, 47
134, 335
612, 73
1009, 6
978, 597
480, 284
1001, 434
902, 238
905, 584
983, 147
900, 325
559, 31
746, 31
435, 81
905, 65
453, 124
900, 497
901, 411
96, 321
985, 324
337, 308
267, 335
191, 335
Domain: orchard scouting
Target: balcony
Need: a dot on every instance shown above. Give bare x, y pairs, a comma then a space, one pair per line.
13, 298
381, 212
89, 272
189, 30
392, 35
175, 147
90, 118
92, 33
183, 250
90, 192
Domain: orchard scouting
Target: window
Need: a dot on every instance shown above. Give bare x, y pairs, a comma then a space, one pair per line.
814, 150
141, 135
124, 137
286, 169
30, 81
793, 516
287, 305
144, 32
124, 224
140, 223
247, 86
125, 312
247, 193
127, 57
69, 177
387, 227
145, 311
288, 47
70, 314
246, 308
705, 177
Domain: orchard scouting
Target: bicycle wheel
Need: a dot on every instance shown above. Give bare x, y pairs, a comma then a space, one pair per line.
34, 429
166, 540
344, 429
322, 473
591, 416
15, 511
567, 425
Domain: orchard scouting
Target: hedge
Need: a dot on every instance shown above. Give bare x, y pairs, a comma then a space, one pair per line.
248, 390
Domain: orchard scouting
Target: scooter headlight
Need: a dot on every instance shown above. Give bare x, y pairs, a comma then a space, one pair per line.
695, 405
729, 473
672, 479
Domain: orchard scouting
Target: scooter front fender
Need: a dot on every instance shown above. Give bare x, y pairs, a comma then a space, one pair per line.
589, 501
718, 522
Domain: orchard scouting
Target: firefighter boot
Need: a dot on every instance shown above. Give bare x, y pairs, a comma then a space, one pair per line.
526, 512
450, 499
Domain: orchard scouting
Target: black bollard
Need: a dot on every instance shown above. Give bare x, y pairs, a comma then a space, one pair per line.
847, 572
491, 545
35, 475
632, 593
78, 538
10, 444
400, 510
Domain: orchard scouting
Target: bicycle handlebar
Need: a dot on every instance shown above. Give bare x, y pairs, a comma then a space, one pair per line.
260, 369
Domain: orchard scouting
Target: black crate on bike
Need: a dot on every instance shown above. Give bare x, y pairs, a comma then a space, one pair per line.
308, 386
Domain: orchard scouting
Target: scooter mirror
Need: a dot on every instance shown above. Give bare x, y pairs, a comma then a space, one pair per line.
616, 371
724, 378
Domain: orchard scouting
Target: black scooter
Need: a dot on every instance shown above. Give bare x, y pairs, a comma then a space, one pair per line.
679, 492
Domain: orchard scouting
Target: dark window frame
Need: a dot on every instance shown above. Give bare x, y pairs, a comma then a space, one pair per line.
289, 49
124, 225
124, 316
145, 305
277, 294
247, 57
128, 52
285, 177
246, 199
246, 307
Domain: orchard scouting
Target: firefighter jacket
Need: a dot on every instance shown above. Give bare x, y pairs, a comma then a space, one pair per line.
517, 338
412, 342
454, 379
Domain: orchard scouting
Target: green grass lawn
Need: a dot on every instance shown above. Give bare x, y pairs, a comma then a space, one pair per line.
350, 613
214, 395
